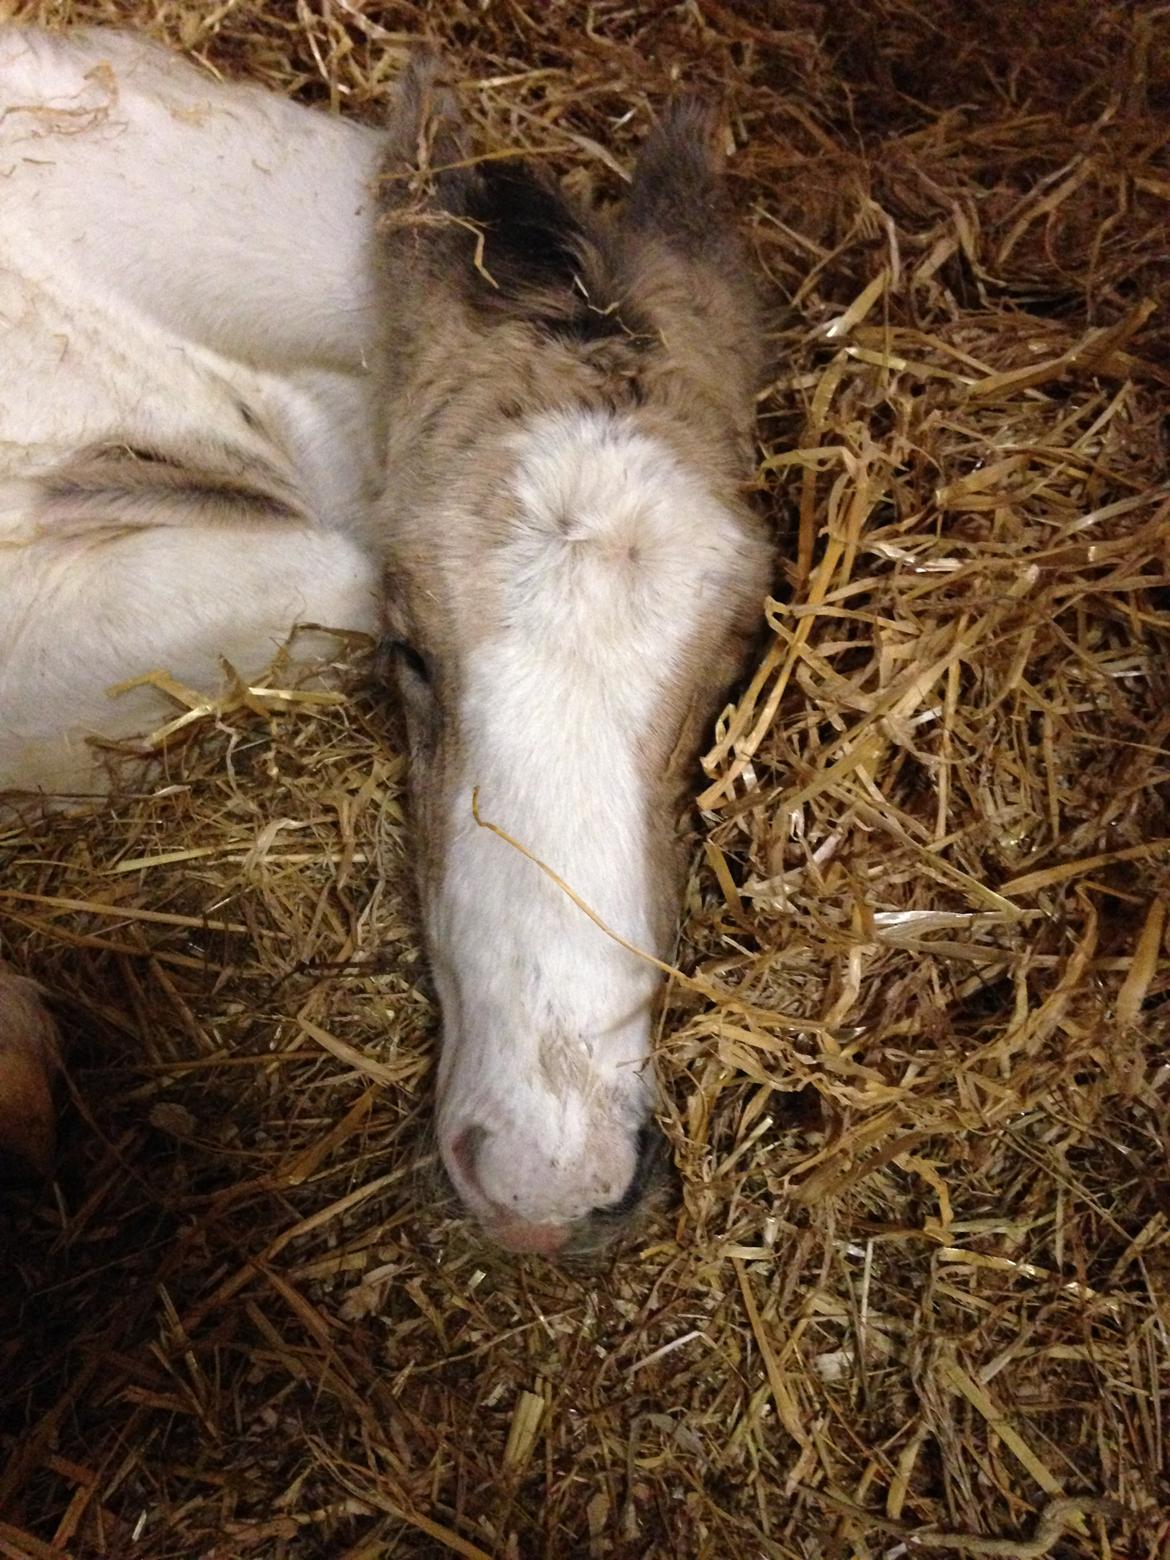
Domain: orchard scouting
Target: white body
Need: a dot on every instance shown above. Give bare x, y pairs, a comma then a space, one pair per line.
171, 251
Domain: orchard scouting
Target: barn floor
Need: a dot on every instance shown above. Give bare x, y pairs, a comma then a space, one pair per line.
912, 1292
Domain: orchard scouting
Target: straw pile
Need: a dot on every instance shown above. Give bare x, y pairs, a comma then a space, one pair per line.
912, 1292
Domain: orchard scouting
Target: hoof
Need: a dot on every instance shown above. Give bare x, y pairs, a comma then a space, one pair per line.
28, 1058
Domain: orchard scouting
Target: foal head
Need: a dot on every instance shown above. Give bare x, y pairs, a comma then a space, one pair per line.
572, 578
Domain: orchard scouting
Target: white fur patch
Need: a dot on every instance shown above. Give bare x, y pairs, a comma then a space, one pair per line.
184, 267
595, 598
599, 588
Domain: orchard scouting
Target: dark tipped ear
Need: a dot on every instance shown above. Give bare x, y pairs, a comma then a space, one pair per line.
504, 226
677, 192
686, 269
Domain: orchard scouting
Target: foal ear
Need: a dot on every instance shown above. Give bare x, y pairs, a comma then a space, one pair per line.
687, 269
426, 136
677, 194
498, 228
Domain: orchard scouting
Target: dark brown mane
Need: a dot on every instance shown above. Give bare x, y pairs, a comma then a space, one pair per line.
529, 253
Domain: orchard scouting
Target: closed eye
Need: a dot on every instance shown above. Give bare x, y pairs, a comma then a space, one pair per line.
409, 659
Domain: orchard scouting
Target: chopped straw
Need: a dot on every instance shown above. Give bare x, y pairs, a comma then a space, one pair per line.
911, 1292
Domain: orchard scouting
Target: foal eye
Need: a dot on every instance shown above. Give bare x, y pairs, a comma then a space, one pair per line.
406, 656
413, 660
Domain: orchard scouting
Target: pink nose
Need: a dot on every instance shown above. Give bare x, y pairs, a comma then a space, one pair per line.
515, 1235
506, 1230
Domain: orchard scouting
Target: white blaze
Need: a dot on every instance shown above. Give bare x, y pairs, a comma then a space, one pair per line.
595, 596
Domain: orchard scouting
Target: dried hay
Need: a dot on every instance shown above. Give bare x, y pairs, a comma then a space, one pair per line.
914, 1293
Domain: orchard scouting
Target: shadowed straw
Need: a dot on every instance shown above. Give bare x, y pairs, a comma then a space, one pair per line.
912, 1291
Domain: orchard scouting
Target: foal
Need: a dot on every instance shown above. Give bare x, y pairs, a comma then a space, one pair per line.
527, 423
571, 577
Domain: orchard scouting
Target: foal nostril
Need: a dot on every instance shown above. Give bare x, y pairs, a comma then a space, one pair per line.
650, 1148
464, 1151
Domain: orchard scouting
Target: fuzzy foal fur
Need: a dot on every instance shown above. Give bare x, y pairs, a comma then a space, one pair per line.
569, 560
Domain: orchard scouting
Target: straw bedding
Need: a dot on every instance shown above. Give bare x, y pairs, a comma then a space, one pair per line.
910, 1291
